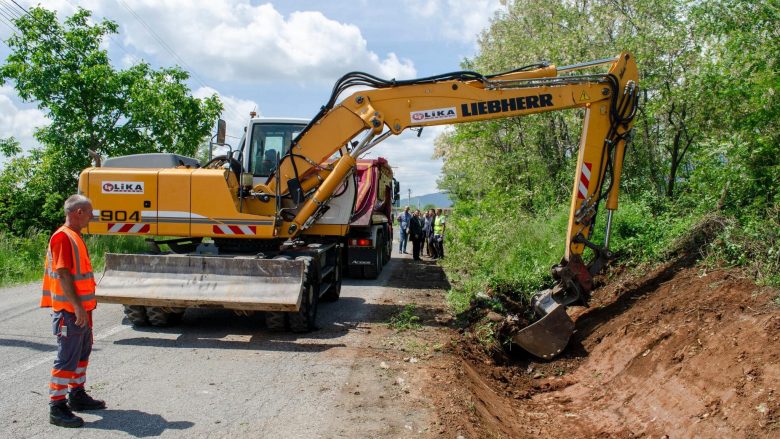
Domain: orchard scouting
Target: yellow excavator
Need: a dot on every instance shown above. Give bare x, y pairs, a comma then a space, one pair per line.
275, 238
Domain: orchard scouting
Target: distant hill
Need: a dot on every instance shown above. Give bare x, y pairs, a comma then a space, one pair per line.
438, 199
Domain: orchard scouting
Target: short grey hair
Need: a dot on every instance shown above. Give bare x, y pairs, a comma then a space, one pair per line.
74, 202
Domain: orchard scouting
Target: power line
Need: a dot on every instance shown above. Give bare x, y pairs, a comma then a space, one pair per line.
170, 50
118, 44
9, 26
13, 12
8, 16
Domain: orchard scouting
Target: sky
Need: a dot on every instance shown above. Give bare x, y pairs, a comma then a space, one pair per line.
279, 58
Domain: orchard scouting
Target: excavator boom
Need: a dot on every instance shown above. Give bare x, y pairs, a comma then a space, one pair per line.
296, 200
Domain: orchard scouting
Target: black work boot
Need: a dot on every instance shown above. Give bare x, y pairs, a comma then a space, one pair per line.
78, 400
60, 414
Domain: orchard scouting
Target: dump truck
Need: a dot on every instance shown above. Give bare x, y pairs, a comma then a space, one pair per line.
288, 213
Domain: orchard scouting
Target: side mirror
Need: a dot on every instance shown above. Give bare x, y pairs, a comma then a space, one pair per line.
221, 128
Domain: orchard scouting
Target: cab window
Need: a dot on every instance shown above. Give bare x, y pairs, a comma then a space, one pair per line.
268, 140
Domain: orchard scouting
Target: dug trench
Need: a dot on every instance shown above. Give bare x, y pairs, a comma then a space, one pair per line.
678, 351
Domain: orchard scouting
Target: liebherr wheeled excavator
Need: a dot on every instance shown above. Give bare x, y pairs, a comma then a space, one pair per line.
283, 256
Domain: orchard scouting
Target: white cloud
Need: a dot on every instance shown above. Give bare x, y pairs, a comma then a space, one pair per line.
458, 20
410, 158
236, 111
17, 121
235, 40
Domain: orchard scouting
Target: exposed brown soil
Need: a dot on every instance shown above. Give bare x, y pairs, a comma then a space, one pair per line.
683, 353
674, 352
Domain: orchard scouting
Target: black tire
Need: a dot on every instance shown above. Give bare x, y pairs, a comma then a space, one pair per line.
334, 292
136, 314
276, 321
388, 250
305, 319
159, 317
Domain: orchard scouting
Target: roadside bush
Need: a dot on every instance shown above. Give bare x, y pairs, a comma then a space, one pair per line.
22, 257
498, 251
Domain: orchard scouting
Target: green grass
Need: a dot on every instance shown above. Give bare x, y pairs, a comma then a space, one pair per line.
22, 257
497, 250
406, 319
500, 252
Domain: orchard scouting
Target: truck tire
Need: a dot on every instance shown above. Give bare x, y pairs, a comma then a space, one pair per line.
159, 317
388, 250
304, 320
334, 292
136, 314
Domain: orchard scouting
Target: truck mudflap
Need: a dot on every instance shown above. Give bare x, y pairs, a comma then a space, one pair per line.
237, 283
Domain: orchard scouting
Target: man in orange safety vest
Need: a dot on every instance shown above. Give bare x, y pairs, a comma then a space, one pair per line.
69, 290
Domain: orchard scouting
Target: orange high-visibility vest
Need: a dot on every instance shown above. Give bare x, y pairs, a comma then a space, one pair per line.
83, 278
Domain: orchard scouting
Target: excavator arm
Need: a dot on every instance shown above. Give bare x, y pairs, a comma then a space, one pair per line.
389, 107
145, 195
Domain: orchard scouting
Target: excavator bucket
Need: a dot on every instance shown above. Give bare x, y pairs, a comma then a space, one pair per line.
202, 281
548, 336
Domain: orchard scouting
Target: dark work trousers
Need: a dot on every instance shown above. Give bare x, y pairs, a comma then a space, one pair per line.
416, 245
74, 344
438, 244
431, 247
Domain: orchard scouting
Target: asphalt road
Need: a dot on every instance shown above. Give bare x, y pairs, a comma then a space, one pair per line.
215, 375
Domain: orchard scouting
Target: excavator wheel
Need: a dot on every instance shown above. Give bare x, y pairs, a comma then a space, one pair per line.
160, 317
136, 314
276, 321
334, 292
304, 320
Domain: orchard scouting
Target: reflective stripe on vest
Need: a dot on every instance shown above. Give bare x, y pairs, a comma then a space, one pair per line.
83, 278
438, 226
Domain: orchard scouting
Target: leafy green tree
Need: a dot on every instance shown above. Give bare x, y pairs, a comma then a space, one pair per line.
707, 136
9, 147
739, 91
92, 106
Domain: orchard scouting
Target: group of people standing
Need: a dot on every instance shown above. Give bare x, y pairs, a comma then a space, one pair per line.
424, 231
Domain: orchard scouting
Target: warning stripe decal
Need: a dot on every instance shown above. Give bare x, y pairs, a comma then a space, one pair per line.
584, 180
128, 228
225, 229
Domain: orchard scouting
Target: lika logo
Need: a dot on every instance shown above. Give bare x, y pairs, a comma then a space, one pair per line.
123, 187
435, 114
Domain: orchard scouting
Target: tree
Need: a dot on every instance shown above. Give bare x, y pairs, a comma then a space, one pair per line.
92, 106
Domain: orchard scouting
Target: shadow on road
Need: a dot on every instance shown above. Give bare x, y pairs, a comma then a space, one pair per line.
42, 347
135, 423
223, 329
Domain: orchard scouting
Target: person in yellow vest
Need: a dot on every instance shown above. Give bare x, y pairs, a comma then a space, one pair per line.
439, 224
69, 291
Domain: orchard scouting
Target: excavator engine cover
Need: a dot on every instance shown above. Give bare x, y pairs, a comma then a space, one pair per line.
239, 283
548, 336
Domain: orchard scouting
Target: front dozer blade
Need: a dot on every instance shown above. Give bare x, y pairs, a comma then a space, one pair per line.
548, 336
202, 281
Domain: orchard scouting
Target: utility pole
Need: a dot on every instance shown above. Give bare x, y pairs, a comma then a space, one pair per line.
410, 196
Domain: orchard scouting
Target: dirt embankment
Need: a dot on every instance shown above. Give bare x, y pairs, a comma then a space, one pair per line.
678, 352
